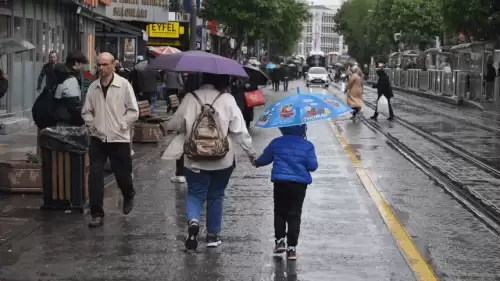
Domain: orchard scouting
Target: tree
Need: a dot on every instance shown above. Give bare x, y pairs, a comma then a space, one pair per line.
280, 21
239, 18
286, 27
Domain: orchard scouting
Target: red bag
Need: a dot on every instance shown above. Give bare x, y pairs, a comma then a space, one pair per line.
254, 98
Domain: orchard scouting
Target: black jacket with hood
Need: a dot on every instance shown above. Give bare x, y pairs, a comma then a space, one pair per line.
383, 85
68, 108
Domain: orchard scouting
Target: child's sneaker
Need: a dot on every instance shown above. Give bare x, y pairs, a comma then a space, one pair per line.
291, 253
213, 240
280, 246
192, 238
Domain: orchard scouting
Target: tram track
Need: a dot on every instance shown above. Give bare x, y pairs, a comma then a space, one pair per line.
451, 183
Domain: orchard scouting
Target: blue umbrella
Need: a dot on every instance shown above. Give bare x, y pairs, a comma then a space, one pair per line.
270, 66
300, 109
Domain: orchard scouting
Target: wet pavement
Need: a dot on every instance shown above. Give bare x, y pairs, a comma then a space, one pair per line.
457, 245
343, 237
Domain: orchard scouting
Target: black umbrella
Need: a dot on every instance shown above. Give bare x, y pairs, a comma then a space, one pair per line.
256, 75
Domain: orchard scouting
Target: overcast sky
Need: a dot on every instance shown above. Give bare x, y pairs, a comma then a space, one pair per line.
326, 2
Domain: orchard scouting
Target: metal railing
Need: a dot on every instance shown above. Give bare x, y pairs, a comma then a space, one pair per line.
459, 84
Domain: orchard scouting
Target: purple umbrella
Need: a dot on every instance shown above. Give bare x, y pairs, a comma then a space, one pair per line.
197, 61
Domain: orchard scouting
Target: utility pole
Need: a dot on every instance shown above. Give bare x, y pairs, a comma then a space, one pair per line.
192, 25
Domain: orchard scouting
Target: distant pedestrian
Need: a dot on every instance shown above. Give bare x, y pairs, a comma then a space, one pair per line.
207, 179
384, 88
48, 72
110, 110
293, 159
4, 84
354, 91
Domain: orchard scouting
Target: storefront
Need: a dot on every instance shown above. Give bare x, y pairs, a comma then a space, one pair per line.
128, 43
50, 25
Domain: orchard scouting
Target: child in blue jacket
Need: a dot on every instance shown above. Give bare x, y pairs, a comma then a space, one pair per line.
293, 159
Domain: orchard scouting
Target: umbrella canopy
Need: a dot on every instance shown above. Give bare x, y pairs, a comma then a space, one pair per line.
197, 61
11, 45
163, 50
300, 109
256, 75
270, 66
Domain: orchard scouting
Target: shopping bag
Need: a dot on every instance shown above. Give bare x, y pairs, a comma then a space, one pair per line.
383, 105
254, 98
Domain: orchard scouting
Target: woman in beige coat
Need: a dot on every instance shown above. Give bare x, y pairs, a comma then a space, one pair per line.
355, 91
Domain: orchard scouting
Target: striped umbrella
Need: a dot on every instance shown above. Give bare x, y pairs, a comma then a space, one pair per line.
163, 50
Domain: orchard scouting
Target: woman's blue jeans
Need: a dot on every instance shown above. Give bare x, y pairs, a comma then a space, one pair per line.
208, 186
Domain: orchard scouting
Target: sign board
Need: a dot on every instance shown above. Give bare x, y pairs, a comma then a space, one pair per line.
165, 30
173, 34
138, 10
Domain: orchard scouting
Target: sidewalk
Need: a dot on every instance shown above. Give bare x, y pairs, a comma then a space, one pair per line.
343, 237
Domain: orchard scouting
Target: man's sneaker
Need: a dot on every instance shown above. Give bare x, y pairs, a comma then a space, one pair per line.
213, 240
192, 238
96, 222
179, 179
280, 246
291, 253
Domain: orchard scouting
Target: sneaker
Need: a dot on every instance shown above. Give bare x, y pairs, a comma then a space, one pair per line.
291, 253
373, 117
96, 222
128, 205
213, 240
390, 118
192, 239
280, 246
179, 179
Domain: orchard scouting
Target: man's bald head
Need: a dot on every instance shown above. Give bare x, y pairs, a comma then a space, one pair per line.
105, 64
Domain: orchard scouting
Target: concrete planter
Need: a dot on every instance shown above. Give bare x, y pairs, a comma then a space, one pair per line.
17, 176
147, 133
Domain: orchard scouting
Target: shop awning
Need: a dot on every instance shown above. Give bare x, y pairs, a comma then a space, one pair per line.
117, 25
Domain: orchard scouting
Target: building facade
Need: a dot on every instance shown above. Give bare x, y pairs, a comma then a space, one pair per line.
319, 32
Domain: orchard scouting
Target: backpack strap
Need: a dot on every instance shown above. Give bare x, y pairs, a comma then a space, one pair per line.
201, 103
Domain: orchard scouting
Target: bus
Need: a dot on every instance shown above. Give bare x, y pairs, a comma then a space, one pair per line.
316, 59
332, 58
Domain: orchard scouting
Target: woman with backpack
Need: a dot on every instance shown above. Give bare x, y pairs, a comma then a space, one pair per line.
209, 155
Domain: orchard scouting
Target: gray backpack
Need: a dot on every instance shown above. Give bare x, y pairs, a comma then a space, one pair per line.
206, 141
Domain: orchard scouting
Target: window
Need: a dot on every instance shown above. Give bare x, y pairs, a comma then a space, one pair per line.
38, 40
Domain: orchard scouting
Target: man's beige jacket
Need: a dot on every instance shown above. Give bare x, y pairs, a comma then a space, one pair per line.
110, 118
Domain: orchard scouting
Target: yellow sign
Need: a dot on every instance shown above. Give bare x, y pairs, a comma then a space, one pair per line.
167, 30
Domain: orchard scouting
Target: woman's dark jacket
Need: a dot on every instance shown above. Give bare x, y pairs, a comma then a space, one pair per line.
383, 85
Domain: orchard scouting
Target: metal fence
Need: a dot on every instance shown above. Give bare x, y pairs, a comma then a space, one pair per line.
438, 82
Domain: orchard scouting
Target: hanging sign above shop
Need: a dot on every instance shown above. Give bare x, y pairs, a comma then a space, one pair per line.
138, 10
165, 30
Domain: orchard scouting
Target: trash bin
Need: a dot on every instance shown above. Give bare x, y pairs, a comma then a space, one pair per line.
64, 167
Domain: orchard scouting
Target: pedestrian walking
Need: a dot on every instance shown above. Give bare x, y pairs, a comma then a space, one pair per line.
354, 91
68, 95
207, 179
285, 76
4, 84
110, 110
275, 78
293, 159
144, 82
48, 72
384, 88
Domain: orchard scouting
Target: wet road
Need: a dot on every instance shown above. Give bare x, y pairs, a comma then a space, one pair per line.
343, 237
457, 245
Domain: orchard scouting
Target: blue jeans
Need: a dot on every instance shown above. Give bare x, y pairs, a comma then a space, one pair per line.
207, 186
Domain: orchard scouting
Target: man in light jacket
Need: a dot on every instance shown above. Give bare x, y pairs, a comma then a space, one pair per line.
109, 111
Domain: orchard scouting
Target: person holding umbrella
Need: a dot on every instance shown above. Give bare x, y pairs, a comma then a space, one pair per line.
209, 161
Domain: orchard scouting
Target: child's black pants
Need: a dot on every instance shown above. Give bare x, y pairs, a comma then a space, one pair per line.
288, 201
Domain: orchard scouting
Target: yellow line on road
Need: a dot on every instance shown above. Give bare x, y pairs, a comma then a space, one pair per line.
421, 269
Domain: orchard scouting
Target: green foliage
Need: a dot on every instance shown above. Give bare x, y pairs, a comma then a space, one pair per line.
250, 20
33, 158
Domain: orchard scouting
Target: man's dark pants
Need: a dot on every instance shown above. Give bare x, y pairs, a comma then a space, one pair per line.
121, 165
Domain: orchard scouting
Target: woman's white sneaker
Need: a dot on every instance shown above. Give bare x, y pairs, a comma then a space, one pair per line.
179, 179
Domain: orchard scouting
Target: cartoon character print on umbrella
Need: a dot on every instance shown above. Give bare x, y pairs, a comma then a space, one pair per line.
332, 102
313, 111
264, 119
287, 111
